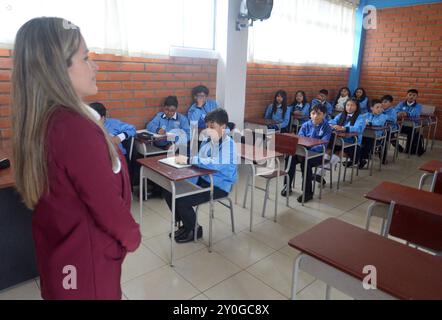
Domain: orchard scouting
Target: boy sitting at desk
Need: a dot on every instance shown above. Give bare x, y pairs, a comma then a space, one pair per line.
170, 122
317, 128
376, 118
119, 131
217, 152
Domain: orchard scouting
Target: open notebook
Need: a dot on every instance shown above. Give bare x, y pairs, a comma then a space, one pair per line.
171, 162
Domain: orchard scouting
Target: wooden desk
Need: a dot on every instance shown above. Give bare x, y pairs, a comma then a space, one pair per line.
261, 121
174, 181
253, 155
303, 150
411, 197
337, 253
18, 263
430, 168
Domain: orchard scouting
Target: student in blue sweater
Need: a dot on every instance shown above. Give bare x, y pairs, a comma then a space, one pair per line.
317, 128
280, 112
376, 118
119, 131
170, 122
362, 98
217, 152
202, 105
351, 120
391, 113
412, 110
322, 99
301, 106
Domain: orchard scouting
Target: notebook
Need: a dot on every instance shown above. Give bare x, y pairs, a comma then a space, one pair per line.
171, 162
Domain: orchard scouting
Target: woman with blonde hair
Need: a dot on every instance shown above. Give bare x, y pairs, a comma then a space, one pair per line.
66, 168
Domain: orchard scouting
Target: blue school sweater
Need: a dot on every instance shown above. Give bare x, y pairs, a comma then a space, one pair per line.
196, 114
322, 131
178, 125
283, 120
116, 127
358, 127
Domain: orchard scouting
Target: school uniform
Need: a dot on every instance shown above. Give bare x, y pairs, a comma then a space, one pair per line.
282, 119
304, 108
221, 157
84, 218
197, 115
340, 104
177, 125
368, 143
391, 114
323, 132
363, 106
413, 111
358, 127
117, 128
327, 104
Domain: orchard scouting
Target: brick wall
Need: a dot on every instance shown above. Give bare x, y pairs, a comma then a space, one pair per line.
404, 52
263, 80
133, 89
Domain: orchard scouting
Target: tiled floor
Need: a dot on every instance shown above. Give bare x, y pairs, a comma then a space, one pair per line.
247, 265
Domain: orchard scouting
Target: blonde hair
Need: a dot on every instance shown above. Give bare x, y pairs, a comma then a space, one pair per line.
43, 52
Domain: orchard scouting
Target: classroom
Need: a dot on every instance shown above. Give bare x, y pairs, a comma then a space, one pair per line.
149, 150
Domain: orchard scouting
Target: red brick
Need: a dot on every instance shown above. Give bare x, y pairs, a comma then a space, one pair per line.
5, 63
5, 53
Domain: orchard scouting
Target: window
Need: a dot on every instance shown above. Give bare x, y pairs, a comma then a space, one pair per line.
129, 27
305, 32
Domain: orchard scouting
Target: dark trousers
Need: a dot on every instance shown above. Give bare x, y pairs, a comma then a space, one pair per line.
310, 165
184, 206
409, 131
367, 148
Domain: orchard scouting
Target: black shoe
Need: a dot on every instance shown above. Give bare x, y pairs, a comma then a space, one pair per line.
284, 191
308, 197
320, 179
348, 164
189, 236
178, 232
362, 164
400, 149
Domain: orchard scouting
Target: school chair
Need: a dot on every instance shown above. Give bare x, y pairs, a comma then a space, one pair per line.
379, 147
416, 126
393, 137
284, 145
430, 122
415, 226
338, 140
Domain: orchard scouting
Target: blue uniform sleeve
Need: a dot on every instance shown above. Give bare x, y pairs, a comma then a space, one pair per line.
364, 106
329, 108
126, 128
359, 126
184, 125
268, 113
327, 133
303, 132
379, 121
398, 108
415, 112
285, 123
335, 121
193, 114
154, 125
306, 110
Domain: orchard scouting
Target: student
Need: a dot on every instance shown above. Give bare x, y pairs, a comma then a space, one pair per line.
322, 99
218, 152
411, 109
341, 100
119, 131
391, 113
279, 112
317, 128
169, 121
201, 106
362, 98
351, 120
376, 118
74, 179
301, 106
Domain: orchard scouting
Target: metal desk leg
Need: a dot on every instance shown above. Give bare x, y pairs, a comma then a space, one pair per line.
304, 178
252, 196
141, 196
411, 141
354, 162
295, 279
172, 237
211, 213
277, 189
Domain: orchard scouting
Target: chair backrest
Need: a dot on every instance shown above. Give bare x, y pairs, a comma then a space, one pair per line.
286, 143
436, 186
415, 226
428, 110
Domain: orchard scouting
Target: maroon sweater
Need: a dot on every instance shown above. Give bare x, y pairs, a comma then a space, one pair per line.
84, 221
